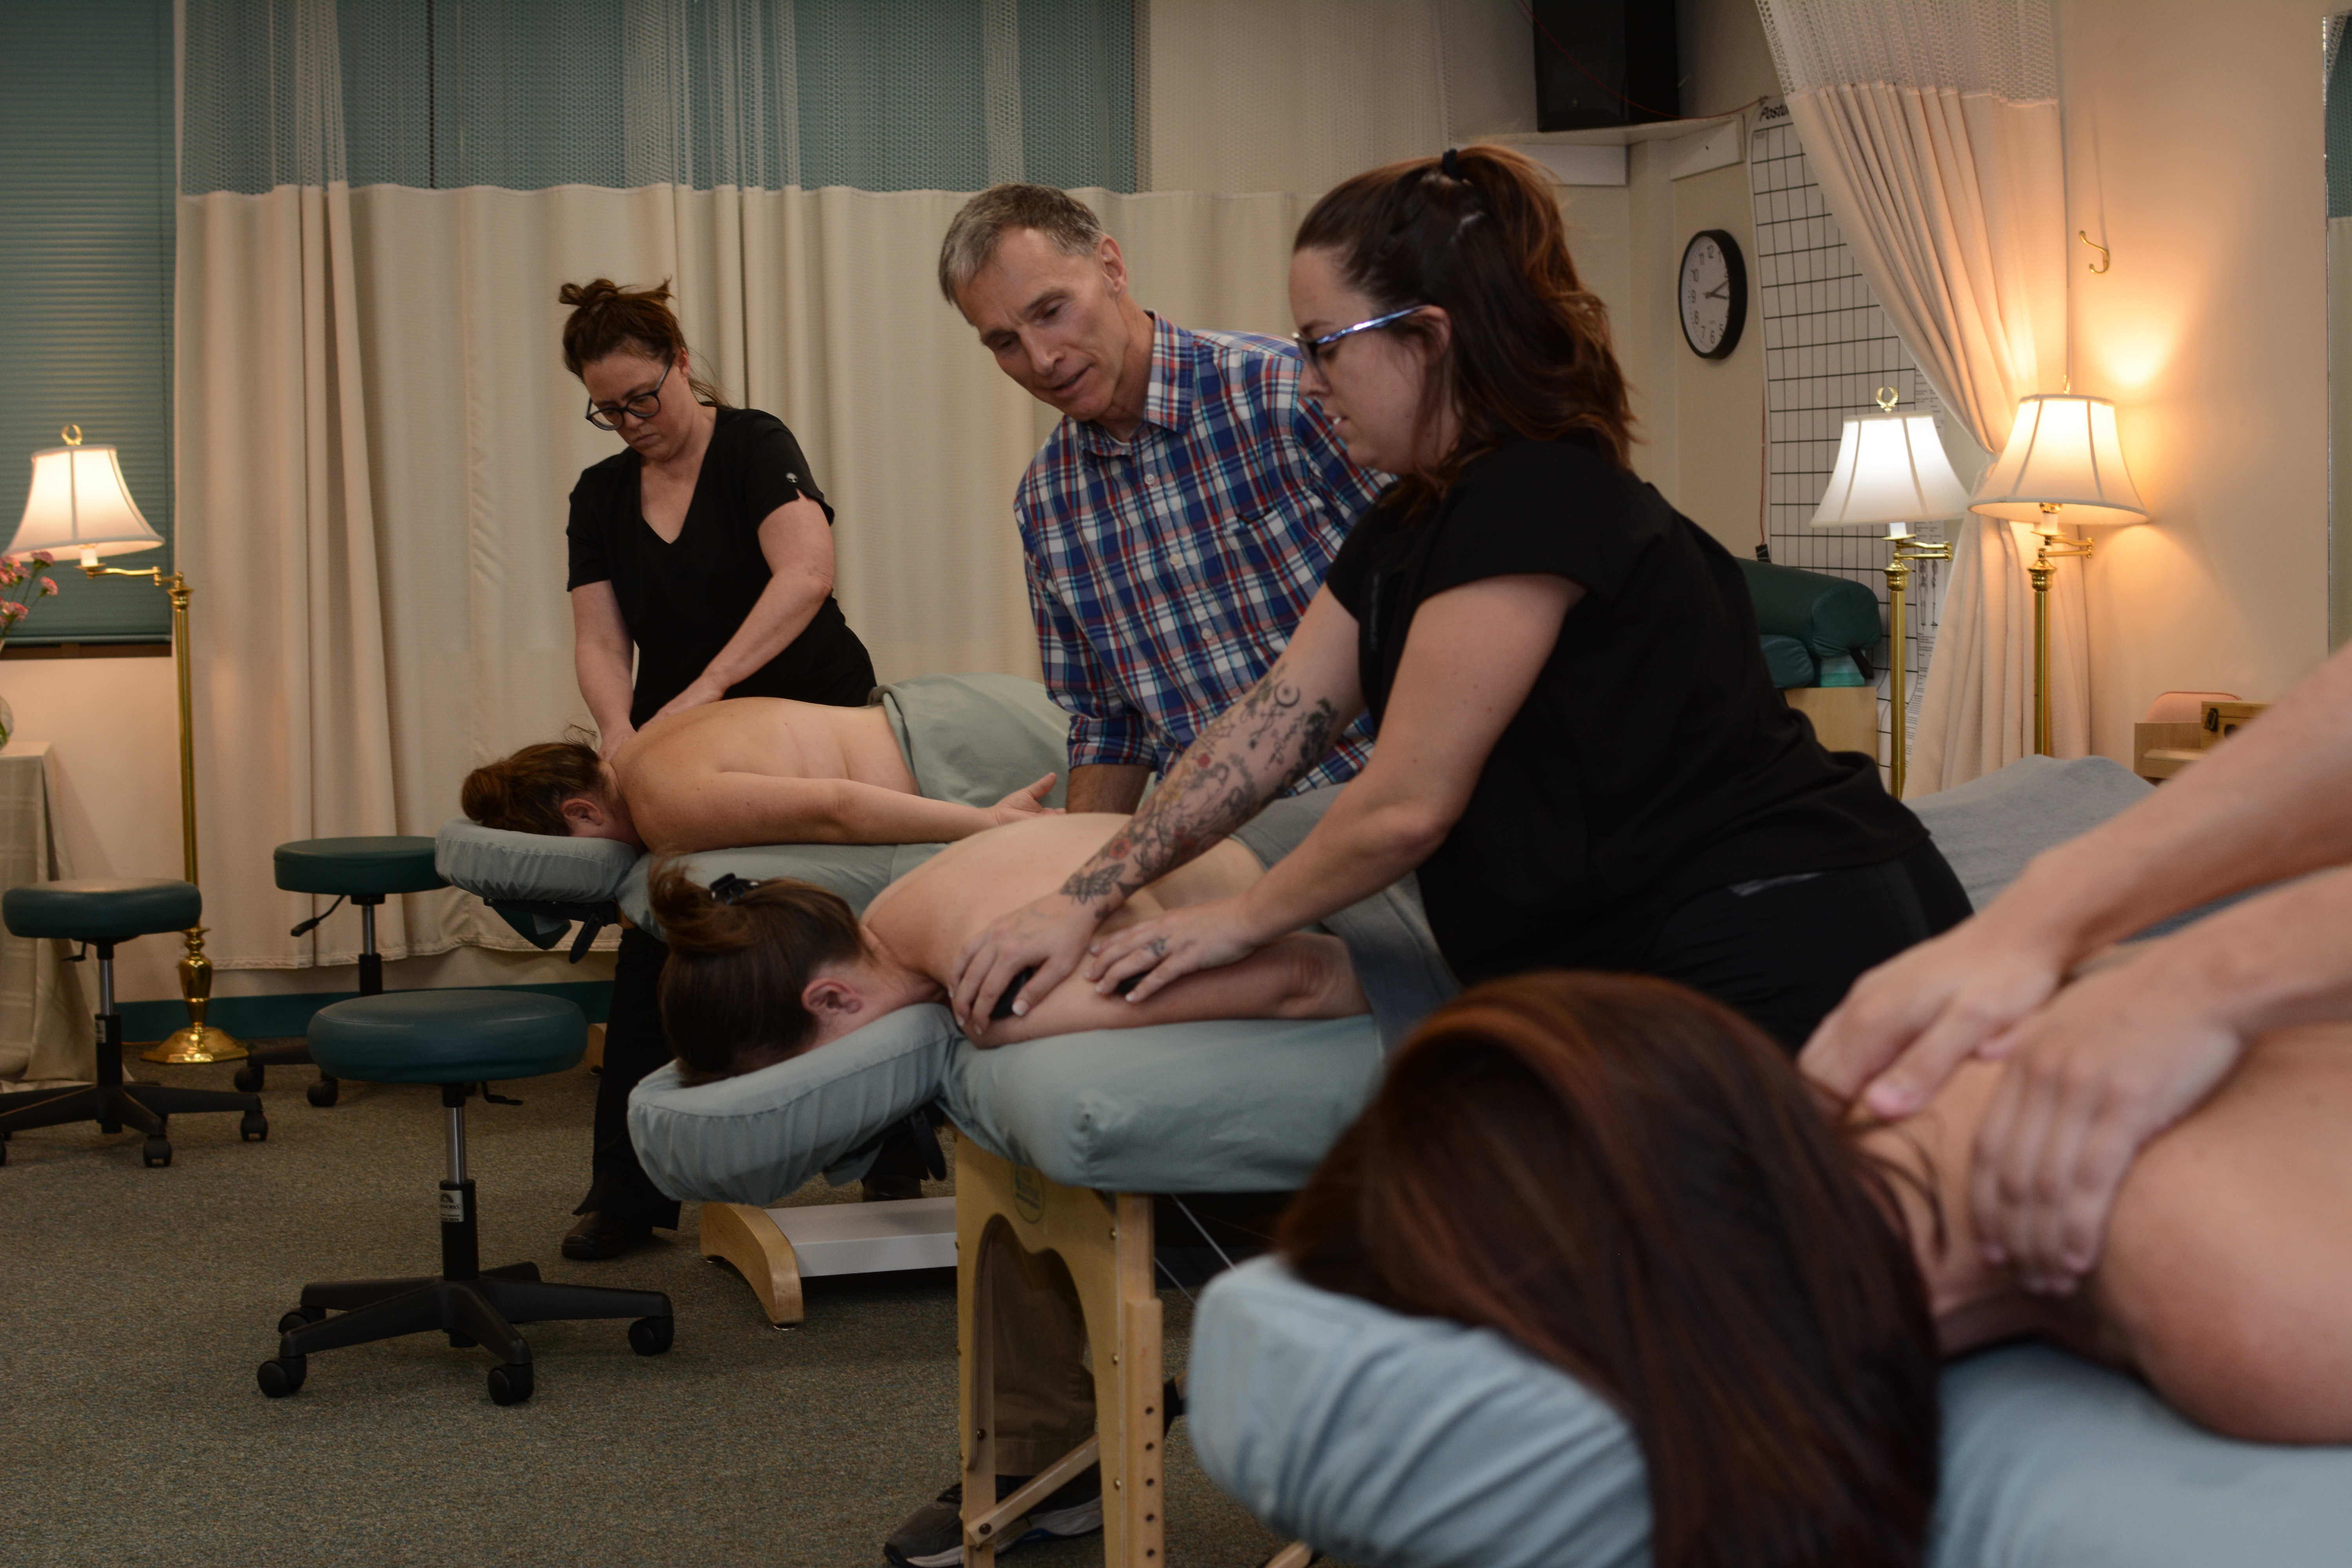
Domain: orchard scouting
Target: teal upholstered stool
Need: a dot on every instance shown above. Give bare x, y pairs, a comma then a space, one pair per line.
456, 1039
366, 871
101, 912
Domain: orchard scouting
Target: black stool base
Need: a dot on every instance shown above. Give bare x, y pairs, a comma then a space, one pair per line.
251, 1076
482, 1311
114, 1106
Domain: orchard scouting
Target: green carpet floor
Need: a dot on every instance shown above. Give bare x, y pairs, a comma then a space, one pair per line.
135, 1304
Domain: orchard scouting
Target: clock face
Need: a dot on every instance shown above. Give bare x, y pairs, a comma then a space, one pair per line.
1713, 293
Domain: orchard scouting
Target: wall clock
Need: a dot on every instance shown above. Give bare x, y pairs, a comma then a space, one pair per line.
1713, 293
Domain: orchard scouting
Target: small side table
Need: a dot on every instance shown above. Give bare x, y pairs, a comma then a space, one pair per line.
45, 1035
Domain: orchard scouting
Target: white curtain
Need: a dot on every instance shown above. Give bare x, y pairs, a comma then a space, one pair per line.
377, 436
1933, 129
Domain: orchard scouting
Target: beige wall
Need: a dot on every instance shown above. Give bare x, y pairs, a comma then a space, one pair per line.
2210, 334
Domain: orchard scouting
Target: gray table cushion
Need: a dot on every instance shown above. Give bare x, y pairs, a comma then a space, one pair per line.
497, 863
855, 871
1245, 1106
1416, 1443
1989, 827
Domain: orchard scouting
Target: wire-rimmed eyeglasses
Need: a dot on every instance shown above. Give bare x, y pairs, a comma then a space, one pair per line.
641, 407
1311, 349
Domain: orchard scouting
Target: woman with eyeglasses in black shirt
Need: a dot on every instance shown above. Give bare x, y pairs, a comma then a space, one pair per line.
701, 568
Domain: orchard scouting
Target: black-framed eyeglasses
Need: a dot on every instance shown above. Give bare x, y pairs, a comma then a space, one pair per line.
641, 407
1311, 349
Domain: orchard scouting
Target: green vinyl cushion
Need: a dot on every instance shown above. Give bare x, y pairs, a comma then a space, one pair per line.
1788, 662
447, 1036
1831, 616
363, 868
102, 909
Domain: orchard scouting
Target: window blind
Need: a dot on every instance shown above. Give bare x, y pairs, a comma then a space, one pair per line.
86, 239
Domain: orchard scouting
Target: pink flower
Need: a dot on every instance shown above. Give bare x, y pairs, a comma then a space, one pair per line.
49, 586
10, 609
47, 558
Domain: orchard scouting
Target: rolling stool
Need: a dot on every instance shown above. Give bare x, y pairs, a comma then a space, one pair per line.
99, 911
456, 1039
363, 871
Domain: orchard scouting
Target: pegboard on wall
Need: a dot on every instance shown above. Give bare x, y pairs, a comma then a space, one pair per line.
1828, 348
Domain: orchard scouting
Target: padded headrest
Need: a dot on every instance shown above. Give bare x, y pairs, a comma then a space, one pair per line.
753, 1139
497, 863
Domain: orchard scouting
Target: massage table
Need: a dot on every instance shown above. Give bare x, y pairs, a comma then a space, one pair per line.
1406, 1441
970, 739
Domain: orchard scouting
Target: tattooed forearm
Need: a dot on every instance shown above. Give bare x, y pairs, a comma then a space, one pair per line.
1253, 752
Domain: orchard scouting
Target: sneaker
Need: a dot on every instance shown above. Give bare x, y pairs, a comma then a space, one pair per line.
932, 1536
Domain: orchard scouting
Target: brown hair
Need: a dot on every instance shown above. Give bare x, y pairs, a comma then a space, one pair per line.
525, 792
980, 225
1531, 351
607, 319
1632, 1181
731, 990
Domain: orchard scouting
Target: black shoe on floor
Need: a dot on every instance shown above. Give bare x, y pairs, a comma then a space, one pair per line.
932, 1536
600, 1235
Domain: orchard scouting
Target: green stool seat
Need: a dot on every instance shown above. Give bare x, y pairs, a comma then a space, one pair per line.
447, 1036
358, 867
102, 909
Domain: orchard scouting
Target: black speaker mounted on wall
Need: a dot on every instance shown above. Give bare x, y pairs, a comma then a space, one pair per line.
1604, 62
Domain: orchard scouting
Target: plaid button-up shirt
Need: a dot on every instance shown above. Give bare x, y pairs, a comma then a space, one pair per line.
1168, 571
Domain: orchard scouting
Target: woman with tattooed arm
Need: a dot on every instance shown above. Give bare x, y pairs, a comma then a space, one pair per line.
1578, 748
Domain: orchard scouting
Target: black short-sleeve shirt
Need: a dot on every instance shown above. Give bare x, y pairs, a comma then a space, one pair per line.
684, 599
1653, 760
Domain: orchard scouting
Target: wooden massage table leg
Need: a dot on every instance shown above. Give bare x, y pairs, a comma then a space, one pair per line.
746, 1238
1104, 1240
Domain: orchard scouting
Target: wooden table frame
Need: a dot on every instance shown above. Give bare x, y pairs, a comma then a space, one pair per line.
1104, 1240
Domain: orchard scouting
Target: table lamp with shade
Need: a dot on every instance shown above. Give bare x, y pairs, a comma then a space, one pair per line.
2063, 464
78, 507
1891, 472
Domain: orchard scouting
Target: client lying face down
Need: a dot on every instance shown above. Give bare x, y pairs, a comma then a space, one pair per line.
749, 770
1632, 1181
761, 971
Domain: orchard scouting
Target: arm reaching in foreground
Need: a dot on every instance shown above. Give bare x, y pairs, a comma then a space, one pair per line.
2266, 804
2123, 1053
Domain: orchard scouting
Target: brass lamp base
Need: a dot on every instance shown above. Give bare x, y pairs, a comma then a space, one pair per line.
196, 1043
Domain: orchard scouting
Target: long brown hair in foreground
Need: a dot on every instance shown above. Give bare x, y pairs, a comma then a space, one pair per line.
1631, 1181
730, 989
1530, 353
525, 792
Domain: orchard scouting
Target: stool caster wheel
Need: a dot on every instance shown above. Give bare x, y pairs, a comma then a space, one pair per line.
651, 1336
300, 1318
157, 1153
253, 1127
281, 1377
511, 1382
322, 1093
248, 1077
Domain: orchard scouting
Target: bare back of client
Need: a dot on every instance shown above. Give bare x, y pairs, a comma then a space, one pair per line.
924, 918
2227, 1261
723, 773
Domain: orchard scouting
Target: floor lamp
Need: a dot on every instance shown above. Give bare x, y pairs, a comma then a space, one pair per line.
1891, 471
2064, 464
79, 506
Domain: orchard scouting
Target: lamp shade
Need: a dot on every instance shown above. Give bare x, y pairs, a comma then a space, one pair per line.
78, 505
1891, 470
2063, 464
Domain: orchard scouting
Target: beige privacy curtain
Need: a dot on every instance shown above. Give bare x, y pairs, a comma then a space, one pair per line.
377, 437
1933, 128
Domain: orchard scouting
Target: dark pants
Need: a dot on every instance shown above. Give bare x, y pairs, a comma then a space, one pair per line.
1786, 951
634, 1046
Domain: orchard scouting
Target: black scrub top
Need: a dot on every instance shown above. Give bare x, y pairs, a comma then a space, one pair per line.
1651, 761
684, 599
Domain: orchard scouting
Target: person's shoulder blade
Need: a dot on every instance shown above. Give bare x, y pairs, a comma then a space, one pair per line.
1548, 507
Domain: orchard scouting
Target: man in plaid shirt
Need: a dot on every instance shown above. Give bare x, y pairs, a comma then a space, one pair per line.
1174, 528
1181, 516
